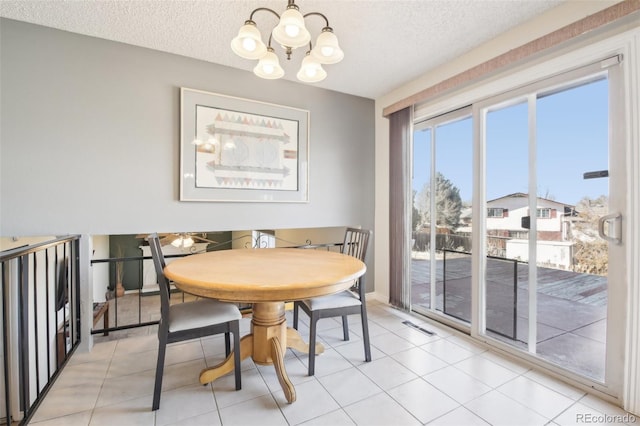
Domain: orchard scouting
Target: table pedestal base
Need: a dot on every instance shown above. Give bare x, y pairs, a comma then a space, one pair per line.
267, 344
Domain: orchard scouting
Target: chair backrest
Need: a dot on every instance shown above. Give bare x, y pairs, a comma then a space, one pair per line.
356, 242
159, 264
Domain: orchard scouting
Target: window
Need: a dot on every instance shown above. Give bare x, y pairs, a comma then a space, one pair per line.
495, 212
543, 213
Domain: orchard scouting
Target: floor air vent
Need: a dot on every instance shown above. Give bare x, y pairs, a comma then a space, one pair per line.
417, 327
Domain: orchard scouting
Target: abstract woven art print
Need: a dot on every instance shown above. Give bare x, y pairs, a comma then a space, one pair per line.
245, 151
235, 149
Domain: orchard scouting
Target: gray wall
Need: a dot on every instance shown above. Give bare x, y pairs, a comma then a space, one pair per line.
90, 141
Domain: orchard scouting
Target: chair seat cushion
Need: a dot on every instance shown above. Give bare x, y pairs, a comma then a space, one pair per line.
201, 313
339, 300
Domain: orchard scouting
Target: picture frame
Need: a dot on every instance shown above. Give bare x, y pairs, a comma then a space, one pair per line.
239, 150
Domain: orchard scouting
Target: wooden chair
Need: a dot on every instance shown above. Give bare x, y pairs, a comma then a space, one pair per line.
346, 303
191, 320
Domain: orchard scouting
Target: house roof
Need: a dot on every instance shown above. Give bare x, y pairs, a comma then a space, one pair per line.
524, 195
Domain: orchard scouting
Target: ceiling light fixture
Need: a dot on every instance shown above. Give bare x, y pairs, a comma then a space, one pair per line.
290, 33
182, 241
186, 240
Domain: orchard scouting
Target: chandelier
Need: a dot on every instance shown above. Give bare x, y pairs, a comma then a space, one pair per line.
290, 33
185, 240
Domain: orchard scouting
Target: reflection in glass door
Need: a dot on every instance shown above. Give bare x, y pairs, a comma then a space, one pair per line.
441, 235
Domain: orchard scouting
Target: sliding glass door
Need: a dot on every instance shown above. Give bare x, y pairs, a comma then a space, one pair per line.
537, 176
442, 187
549, 220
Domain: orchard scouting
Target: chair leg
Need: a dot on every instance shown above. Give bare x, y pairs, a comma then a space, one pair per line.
312, 342
235, 329
295, 315
345, 327
227, 344
157, 390
365, 333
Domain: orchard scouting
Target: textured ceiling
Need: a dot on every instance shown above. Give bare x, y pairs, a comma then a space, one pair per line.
386, 42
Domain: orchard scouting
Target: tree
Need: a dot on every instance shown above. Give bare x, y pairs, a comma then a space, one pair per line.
448, 203
590, 252
415, 215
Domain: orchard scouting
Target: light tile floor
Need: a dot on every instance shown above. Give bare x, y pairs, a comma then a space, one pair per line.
413, 378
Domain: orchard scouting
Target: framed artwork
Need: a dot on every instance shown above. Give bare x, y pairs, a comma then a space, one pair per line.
234, 149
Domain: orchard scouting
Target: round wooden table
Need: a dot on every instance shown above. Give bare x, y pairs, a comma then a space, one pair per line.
267, 278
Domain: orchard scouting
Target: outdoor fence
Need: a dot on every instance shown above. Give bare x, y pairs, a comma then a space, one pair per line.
422, 241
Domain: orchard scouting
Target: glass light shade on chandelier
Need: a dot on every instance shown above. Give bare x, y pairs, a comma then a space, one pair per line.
248, 43
182, 241
311, 71
327, 50
269, 67
290, 33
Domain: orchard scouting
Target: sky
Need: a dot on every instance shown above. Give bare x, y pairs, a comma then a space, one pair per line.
571, 137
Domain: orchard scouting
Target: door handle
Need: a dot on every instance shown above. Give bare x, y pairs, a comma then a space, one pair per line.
615, 224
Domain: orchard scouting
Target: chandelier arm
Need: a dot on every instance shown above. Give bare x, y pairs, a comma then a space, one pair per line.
288, 51
317, 14
266, 9
205, 240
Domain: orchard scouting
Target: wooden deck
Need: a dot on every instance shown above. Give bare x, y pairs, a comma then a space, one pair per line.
571, 314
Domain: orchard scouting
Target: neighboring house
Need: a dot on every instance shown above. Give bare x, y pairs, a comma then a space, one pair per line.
510, 235
505, 217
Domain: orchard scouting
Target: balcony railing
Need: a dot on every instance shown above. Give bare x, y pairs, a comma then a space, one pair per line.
141, 302
40, 310
453, 283
502, 290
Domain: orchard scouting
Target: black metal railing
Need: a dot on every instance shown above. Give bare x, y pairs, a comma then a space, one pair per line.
501, 291
501, 295
115, 310
116, 306
40, 303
